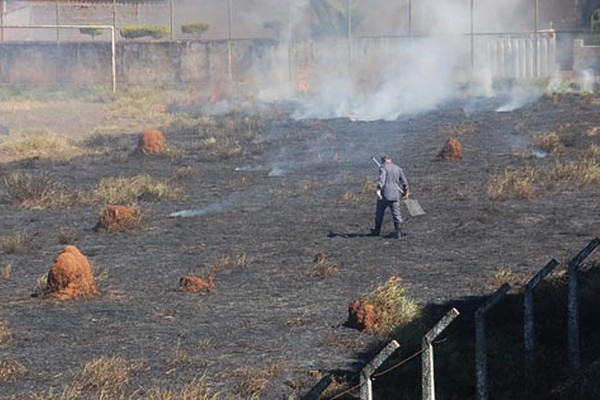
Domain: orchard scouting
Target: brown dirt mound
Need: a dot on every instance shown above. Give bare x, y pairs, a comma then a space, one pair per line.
118, 218
191, 283
152, 141
362, 316
451, 151
71, 276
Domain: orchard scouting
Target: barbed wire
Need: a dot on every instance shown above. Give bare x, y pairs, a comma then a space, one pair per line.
386, 371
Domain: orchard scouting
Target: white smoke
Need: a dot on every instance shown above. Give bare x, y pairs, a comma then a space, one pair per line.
520, 97
415, 64
384, 78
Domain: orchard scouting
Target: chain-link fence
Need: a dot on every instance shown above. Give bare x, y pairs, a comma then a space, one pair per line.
280, 19
182, 42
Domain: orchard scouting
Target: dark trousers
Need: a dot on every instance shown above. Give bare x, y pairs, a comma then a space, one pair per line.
382, 205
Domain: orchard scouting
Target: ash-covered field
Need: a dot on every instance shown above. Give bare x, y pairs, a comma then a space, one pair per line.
272, 326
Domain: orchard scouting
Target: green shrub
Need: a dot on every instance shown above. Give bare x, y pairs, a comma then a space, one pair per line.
154, 31
93, 32
195, 28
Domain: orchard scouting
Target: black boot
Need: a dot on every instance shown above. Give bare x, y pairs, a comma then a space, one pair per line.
375, 232
397, 234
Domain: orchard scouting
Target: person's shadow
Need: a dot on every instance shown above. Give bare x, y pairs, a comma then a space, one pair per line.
333, 234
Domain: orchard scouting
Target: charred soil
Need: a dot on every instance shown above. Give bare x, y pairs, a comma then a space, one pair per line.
261, 217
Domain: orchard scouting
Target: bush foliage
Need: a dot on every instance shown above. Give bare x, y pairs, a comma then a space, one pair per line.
138, 31
195, 28
93, 32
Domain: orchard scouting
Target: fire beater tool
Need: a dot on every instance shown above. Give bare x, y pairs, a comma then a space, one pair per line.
413, 206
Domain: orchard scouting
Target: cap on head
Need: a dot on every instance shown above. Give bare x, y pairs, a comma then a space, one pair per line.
386, 158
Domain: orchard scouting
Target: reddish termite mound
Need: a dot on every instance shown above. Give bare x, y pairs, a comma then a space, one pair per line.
152, 141
451, 151
71, 276
117, 218
191, 283
362, 316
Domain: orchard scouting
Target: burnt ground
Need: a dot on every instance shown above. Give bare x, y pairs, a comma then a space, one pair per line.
280, 208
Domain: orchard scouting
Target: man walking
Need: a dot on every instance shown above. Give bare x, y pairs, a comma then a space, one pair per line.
391, 186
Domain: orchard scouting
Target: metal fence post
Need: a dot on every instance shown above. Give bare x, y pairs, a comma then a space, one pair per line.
229, 44
427, 380
480, 341
365, 375
573, 307
528, 312
57, 20
113, 68
2, 11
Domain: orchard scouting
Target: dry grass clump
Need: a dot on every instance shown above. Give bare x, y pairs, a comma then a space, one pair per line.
524, 183
108, 376
592, 131
369, 186
197, 389
559, 139
41, 144
17, 243
139, 105
11, 370
384, 309
6, 336
350, 198
338, 387
69, 392
226, 263
505, 274
184, 173
322, 267
39, 191
460, 129
298, 320
254, 382
65, 235
233, 135
550, 142
70, 276
6, 270
179, 356
582, 173
118, 218
518, 184
591, 152
130, 190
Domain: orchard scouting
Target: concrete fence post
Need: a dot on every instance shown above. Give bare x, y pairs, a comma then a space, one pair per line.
319, 388
528, 311
480, 341
427, 380
573, 307
366, 390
